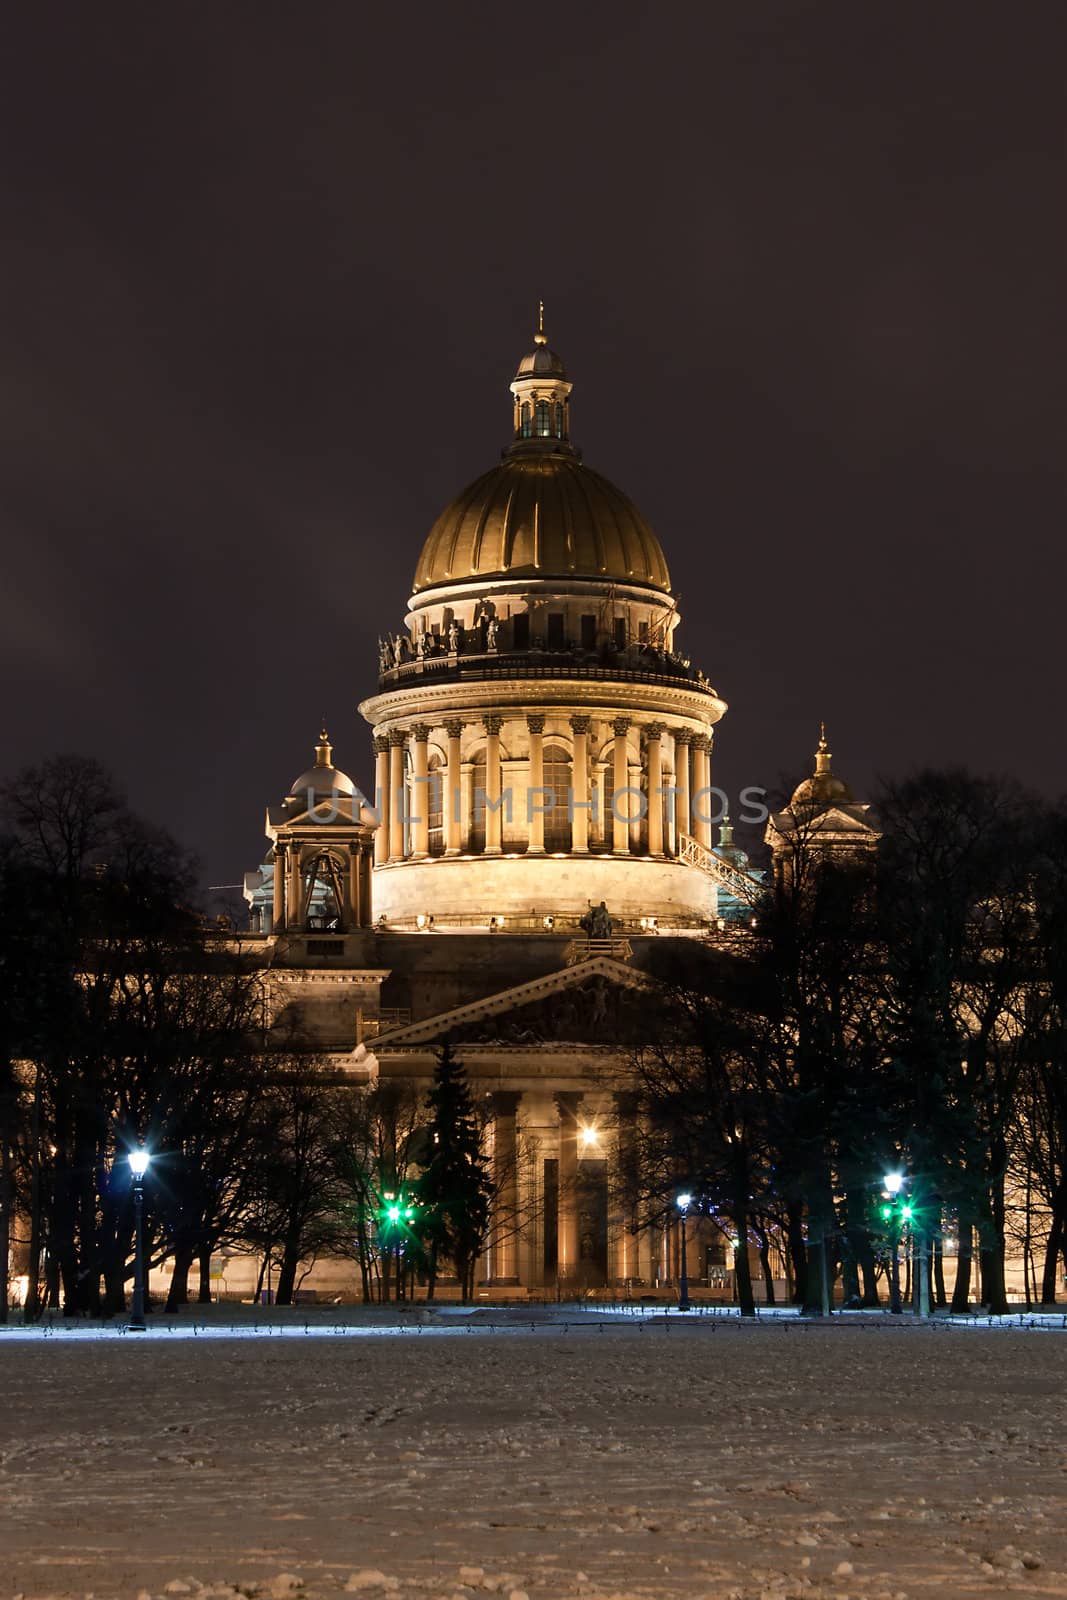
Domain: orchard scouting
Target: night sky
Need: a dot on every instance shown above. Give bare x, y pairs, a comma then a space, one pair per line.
267, 270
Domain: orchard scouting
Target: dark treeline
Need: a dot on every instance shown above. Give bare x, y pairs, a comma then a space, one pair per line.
896, 1008
128, 1021
903, 1007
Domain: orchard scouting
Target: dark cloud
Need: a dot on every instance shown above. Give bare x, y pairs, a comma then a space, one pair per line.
266, 271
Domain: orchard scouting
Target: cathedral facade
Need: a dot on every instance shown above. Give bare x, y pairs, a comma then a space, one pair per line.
542, 811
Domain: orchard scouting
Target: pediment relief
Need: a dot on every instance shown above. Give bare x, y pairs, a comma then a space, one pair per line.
596, 1002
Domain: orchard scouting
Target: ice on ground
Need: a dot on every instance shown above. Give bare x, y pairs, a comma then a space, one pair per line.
695, 1462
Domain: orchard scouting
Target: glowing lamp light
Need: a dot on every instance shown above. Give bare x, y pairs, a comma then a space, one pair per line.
393, 1213
905, 1212
139, 1162
420, 920
589, 1136
894, 1182
684, 1201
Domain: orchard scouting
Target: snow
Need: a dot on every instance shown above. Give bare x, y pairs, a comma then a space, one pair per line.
552, 1455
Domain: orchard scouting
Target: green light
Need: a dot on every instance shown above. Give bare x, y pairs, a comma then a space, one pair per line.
409, 1213
905, 1212
887, 1212
393, 1213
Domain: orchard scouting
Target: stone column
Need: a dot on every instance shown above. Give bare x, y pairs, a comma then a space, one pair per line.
506, 1182
294, 911
567, 1223
702, 780
354, 916
381, 799
280, 869
535, 797
654, 764
580, 786
452, 799
682, 824
620, 814
466, 790
396, 796
625, 1254
420, 793
492, 786
366, 901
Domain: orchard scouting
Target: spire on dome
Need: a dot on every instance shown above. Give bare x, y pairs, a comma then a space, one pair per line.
324, 749
540, 337
822, 787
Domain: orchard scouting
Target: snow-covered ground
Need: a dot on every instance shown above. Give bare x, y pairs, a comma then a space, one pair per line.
578, 1456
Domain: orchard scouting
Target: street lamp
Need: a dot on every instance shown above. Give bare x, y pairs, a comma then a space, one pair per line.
684, 1202
892, 1184
139, 1160
904, 1210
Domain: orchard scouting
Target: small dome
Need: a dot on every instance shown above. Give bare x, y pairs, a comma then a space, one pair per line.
542, 515
822, 788
541, 363
323, 779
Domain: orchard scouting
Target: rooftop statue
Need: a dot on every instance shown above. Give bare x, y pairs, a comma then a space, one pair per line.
597, 922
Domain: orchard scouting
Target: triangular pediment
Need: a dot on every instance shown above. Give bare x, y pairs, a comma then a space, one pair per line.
328, 818
844, 819
581, 1004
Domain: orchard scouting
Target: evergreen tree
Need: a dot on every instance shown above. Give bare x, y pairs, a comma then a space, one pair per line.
456, 1188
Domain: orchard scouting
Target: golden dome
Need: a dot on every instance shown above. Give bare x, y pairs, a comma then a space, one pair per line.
823, 788
542, 513
323, 779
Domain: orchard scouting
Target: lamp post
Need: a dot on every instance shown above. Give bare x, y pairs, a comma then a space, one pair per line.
912, 1213
892, 1184
138, 1160
684, 1202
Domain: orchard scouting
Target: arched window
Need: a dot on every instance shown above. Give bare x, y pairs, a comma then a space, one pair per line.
324, 886
477, 814
434, 803
557, 769
544, 420
600, 834
408, 799
524, 420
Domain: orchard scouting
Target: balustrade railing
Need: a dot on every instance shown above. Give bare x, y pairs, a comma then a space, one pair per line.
728, 877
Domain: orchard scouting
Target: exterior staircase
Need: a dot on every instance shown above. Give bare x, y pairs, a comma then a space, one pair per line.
740, 884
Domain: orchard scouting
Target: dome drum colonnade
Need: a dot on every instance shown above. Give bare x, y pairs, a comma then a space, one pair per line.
518, 784
601, 797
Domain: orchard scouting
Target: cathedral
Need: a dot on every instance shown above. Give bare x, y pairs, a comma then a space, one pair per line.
541, 812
